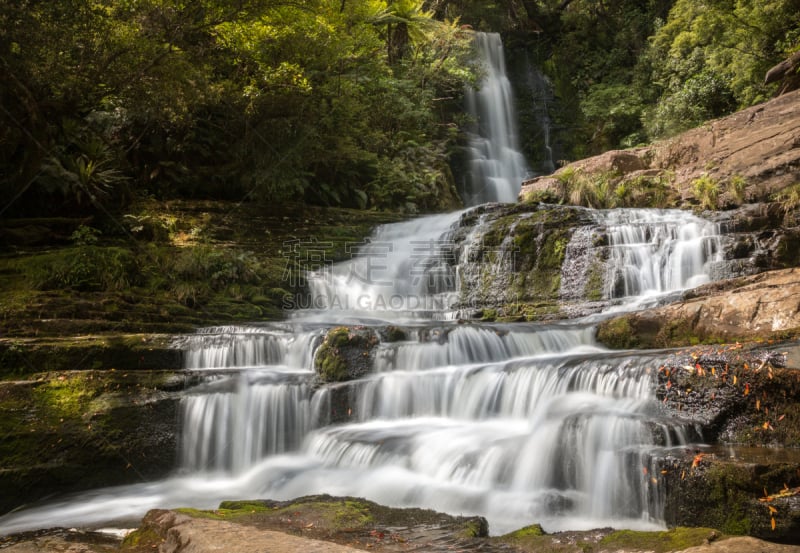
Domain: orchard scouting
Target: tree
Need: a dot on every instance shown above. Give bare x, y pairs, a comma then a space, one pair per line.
709, 59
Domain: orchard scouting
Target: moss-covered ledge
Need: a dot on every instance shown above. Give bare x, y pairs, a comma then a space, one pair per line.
25, 356
68, 431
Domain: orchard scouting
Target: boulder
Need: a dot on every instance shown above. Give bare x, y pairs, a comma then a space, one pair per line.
346, 353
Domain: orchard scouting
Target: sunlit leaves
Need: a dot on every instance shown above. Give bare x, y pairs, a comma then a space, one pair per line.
710, 58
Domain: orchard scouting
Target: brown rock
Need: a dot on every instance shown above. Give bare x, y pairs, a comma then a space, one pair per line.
787, 72
184, 534
760, 144
763, 305
743, 545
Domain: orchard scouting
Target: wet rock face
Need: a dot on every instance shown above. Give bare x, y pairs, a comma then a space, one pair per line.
737, 395
736, 495
737, 398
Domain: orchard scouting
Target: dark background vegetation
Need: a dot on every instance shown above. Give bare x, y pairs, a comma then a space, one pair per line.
343, 102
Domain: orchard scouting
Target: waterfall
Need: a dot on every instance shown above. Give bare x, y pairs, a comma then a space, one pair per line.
496, 168
402, 270
657, 251
520, 423
258, 402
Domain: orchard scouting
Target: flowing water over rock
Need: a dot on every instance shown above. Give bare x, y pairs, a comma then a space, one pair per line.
520, 423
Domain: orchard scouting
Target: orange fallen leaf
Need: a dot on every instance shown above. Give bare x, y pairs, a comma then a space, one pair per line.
772, 522
772, 509
781, 417
747, 388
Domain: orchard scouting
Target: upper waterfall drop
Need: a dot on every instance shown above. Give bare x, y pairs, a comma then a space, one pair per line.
496, 167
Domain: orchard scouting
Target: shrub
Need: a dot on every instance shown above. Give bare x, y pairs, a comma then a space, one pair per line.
706, 191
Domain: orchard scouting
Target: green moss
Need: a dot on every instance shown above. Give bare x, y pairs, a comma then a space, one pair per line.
328, 360
475, 528
338, 337
489, 314
142, 537
244, 506
199, 513
617, 333
526, 532
677, 333
675, 539
594, 288
728, 485
395, 334
335, 514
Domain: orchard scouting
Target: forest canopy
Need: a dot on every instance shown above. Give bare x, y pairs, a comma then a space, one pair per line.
343, 102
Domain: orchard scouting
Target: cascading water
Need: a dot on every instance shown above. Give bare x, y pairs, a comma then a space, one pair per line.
496, 166
657, 251
520, 423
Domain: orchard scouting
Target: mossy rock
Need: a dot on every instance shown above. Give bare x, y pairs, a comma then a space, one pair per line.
675, 539
393, 333
730, 495
346, 353
618, 333
356, 520
72, 431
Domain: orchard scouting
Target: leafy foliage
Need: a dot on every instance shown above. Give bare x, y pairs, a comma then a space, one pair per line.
336, 102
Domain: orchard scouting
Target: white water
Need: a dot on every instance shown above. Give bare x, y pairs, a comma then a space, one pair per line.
404, 271
657, 251
519, 423
496, 166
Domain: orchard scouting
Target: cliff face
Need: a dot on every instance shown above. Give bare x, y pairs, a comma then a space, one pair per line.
746, 157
